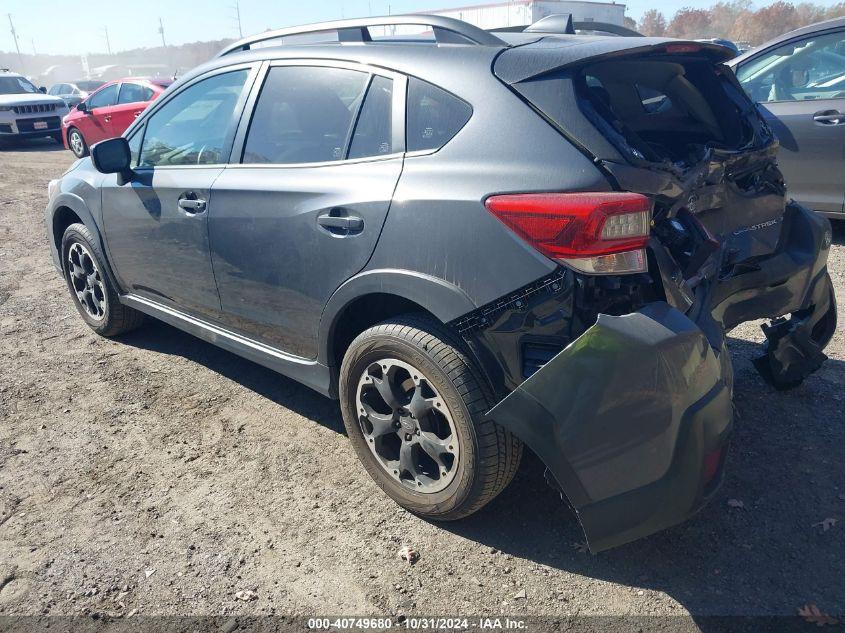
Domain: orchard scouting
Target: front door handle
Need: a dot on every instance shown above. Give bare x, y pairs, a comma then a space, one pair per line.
349, 223
192, 205
829, 117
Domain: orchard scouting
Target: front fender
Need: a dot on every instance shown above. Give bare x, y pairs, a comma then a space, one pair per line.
76, 204
625, 418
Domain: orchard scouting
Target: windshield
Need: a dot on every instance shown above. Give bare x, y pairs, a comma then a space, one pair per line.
16, 86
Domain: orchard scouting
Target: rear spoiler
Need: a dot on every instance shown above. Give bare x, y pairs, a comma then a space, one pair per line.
519, 63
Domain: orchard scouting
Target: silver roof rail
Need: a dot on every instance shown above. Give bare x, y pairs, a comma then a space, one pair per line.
446, 31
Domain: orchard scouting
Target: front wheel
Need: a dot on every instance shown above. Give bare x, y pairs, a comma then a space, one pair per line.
413, 404
92, 291
77, 143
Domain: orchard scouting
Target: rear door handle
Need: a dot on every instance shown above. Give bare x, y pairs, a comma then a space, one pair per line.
192, 206
829, 117
343, 222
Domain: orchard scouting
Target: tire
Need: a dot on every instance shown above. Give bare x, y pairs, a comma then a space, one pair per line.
428, 360
91, 289
80, 148
58, 138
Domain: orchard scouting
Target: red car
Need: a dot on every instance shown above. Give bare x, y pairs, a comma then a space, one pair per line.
107, 112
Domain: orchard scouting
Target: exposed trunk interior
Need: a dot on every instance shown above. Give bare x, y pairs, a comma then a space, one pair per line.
663, 108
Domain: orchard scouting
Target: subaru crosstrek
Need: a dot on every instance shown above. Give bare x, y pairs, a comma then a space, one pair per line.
473, 241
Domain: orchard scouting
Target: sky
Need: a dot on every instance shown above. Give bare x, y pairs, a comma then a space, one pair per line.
79, 26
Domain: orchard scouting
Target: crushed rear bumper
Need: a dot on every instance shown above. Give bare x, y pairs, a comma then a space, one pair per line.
632, 418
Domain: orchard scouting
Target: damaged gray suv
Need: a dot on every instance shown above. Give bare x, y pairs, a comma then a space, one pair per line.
473, 241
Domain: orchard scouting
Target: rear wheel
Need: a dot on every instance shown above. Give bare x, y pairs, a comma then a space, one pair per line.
58, 138
92, 291
77, 143
413, 405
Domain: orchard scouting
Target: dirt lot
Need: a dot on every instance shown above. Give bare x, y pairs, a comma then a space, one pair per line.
157, 474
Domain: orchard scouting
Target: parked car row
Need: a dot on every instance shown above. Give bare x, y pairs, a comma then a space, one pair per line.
75, 114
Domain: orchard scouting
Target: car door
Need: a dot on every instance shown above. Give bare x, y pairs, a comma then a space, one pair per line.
156, 225
301, 207
800, 86
96, 124
132, 98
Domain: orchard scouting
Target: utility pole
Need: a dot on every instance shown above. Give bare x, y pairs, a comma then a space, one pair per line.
32, 41
161, 32
15, 37
237, 9
108, 43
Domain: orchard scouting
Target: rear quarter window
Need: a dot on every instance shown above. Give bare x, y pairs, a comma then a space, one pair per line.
434, 116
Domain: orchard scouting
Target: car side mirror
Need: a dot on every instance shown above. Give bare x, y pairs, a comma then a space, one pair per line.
42, 90
113, 156
82, 107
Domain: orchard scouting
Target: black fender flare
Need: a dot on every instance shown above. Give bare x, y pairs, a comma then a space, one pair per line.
76, 204
444, 300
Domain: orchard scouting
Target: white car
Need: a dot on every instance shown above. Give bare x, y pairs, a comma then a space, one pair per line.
26, 112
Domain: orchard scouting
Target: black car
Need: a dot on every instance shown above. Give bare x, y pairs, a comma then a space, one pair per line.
472, 241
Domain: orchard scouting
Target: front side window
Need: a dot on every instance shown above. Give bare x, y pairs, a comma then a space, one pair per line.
434, 116
304, 115
134, 93
195, 127
809, 69
104, 98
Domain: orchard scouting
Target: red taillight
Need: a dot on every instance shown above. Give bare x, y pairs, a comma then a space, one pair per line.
602, 232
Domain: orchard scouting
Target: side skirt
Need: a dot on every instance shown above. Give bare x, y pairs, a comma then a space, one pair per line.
309, 372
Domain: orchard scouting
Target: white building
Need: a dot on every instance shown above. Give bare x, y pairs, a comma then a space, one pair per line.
525, 12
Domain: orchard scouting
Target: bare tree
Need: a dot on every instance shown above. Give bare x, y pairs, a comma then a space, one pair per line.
653, 23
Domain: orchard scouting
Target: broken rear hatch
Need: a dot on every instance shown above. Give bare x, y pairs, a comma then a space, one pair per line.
631, 418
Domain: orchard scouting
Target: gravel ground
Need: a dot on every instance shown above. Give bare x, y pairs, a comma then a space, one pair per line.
157, 474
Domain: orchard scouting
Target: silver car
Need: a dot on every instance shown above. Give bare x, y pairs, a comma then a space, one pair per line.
799, 81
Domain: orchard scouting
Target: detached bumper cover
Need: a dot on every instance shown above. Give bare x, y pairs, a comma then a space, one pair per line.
623, 419
631, 415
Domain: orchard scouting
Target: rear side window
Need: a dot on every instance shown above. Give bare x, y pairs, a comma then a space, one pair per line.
134, 93
373, 134
304, 115
104, 98
434, 116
